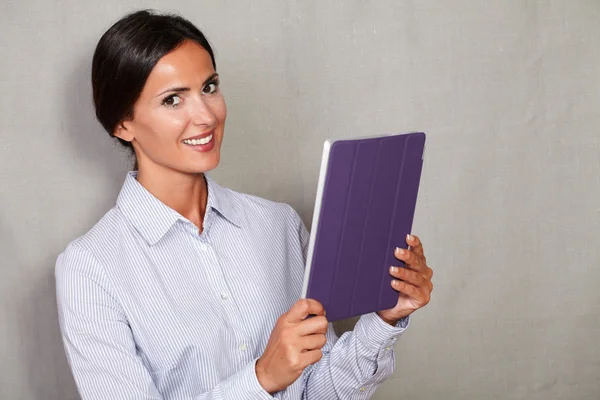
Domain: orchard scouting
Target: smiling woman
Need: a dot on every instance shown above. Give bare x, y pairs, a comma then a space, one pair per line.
160, 97
185, 289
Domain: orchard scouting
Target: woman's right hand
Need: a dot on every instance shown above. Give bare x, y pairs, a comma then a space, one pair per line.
295, 343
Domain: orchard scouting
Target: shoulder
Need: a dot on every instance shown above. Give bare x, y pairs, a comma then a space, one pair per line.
83, 255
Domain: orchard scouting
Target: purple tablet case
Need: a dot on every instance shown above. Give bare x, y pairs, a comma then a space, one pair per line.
365, 208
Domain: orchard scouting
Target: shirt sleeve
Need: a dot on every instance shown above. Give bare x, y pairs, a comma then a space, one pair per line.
100, 346
357, 363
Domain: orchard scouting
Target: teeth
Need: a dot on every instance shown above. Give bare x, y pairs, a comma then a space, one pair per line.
206, 139
195, 142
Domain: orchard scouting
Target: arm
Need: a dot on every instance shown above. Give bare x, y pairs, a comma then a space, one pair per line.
100, 346
354, 365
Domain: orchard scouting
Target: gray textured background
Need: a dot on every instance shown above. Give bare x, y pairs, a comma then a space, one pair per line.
508, 92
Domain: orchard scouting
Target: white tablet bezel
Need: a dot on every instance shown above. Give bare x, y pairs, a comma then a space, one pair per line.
316, 212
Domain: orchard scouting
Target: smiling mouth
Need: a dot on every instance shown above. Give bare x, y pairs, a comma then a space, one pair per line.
201, 141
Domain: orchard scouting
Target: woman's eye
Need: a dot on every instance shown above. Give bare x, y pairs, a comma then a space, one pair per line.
172, 101
211, 88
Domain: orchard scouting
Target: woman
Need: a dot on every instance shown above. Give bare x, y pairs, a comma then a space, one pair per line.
185, 289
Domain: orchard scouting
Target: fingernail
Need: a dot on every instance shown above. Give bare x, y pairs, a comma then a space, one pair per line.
393, 270
399, 251
409, 237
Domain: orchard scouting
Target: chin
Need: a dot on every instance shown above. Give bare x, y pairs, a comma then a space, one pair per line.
199, 162
205, 165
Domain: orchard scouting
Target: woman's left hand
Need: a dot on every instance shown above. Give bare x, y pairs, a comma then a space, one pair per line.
412, 281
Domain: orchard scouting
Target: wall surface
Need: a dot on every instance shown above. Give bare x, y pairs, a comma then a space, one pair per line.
509, 208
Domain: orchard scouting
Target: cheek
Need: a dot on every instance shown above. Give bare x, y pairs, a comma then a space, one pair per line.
177, 121
220, 110
224, 111
168, 125
160, 129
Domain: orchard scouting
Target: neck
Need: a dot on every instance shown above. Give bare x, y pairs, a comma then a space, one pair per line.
185, 193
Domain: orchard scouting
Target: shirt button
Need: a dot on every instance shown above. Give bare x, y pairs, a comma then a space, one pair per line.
362, 389
224, 296
203, 247
243, 347
388, 348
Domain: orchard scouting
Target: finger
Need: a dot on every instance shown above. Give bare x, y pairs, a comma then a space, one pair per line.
414, 261
408, 256
411, 291
310, 357
415, 244
419, 296
313, 342
311, 326
409, 276
427, 272
303, 308
422, 268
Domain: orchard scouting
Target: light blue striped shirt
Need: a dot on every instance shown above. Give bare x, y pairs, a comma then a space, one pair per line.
151, 309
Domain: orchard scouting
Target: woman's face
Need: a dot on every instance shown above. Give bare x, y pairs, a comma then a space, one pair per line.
179, 118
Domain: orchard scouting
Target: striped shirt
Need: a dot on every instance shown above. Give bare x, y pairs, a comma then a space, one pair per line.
150, 308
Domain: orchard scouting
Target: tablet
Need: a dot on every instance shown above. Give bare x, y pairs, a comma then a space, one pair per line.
364, 208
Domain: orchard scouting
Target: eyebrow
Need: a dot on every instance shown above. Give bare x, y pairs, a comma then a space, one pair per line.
187, 89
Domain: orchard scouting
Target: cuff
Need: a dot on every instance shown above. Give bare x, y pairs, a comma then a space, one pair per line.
246, 386
377, 334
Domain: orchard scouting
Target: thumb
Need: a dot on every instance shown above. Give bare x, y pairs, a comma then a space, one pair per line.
303, 308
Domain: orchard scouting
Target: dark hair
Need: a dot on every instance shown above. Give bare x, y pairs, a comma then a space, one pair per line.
125, 56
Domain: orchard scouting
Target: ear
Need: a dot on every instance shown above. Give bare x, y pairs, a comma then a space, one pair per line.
124, 132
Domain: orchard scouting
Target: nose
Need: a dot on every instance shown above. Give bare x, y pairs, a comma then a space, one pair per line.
202, 114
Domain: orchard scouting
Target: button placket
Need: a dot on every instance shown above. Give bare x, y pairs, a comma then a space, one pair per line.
231, 312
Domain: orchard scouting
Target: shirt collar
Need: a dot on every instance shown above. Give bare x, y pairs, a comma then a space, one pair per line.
153, 219
221, 200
